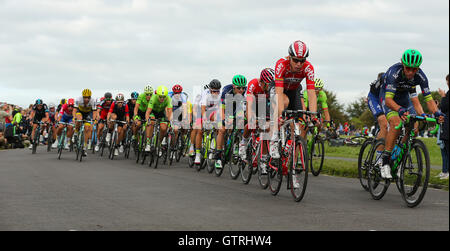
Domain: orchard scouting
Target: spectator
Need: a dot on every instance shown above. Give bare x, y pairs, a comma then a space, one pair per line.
5, 116
444, 133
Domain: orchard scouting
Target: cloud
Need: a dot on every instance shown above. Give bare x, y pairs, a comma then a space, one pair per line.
52, 49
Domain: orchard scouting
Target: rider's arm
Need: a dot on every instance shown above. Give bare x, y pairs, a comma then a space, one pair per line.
417, 106
127, 113
136, 109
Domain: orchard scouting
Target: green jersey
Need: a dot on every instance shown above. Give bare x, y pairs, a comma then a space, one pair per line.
17, 118
143, 103
157, 106
321, 99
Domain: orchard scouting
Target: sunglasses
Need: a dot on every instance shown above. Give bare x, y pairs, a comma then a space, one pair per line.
148, 94
298, 60
70, 106
240, 88
162, 97
108, 99
86, 97
215, 91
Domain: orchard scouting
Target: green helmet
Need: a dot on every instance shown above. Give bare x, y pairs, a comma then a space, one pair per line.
239, 81
162, 91
412, 58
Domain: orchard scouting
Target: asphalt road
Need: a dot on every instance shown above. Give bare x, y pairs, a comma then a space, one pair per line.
38, 192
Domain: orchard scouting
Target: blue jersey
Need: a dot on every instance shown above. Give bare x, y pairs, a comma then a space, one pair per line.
395, 83
228, 89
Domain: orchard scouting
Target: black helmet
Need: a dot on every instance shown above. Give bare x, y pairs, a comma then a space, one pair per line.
108, 95
215, 84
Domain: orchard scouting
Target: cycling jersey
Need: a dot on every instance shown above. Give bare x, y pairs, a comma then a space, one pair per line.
65, 111
142, 101
321, 99
85, 108
209, 100
121, 112
41, 112
395, 83
289, 80
103, 108
158, 107
228, 90
179, 100
375, 86
131, 107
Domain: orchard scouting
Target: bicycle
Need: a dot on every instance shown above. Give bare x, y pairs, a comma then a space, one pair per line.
79, 140
129, 142
293, 161
114, 136
94, 138
230, 156
363, 159
316, 149
62, 138
37, 135
408, 175
141, 142
50, 137
208, 149
155, 147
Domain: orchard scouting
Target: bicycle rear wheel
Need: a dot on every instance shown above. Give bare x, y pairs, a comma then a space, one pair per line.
298, 175
415, 174
247, 166
377, 184
275, 177
316, 156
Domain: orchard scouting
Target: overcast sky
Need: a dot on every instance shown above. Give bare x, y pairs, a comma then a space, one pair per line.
52, 49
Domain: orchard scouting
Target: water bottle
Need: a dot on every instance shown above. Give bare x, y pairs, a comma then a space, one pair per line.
396, 152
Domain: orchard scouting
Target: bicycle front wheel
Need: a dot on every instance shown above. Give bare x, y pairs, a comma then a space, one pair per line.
298, 175
363, 162
234, 161
316, 156
415, 174
377, 184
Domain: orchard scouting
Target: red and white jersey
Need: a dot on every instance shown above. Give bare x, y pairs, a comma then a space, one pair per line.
254, 88
65, 111
284, 77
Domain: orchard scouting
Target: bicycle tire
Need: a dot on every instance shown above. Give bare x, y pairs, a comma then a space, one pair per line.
300, 169
363, 162
36, 139
263, 179
374, 176
317, 144
234, 158
50, 139
408, 194
211, 163
247, 166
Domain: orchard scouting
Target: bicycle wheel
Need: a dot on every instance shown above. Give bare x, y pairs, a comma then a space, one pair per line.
61, 144
415, 174
36, 139
247, 166
263, 178
234, 160
81, 144
103, 141
180, 144
210, 165
377, 185
298, 175
157, 149
275, 177
113, 144
50, 139
316, 156
364, 163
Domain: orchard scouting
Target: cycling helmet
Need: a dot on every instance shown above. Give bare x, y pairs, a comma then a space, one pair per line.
239, 81
298, 49
205, 87
318, 83
51, 105
71, 101
267, 75
148, 89
214, 84
39, 102
134, 95
162, 91
120, 97
412, 58
63, 101
86, 93
177, 89
108, 95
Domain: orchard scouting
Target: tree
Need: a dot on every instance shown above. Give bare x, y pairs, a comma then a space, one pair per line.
335, 108
357, 108
367, 118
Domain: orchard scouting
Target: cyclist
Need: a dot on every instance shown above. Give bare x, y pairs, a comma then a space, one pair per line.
289, 73
321, 99
119, 111
373, 101
179, 100
85, 109
196, 133
399, 98
132, 103
52, 118
256, 87
65, 115
61, 103
103, 110
139, 113
159, 107
237, 88
39, 113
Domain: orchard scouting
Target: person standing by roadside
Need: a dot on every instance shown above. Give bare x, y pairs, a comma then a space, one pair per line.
444, 133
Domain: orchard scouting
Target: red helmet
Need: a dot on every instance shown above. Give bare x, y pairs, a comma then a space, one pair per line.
267, 76
70, 101
177, 89
298, 49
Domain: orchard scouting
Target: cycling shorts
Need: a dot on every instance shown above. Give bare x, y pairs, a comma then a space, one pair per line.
374, 105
